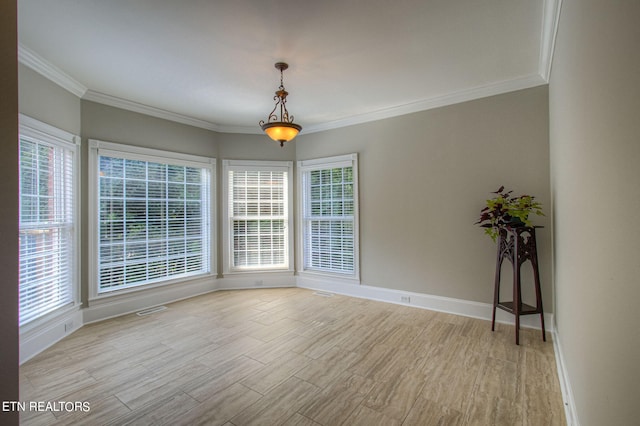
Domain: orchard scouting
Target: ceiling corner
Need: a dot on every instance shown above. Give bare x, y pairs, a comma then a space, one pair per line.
550, 19
40, 65
125, 104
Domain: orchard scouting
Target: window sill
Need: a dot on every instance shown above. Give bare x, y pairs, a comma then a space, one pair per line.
114, 305
339, 278
136, 290
258, 272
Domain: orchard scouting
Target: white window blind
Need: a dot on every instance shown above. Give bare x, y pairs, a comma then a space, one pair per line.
154, 220
329, 210
258, 215
47, 226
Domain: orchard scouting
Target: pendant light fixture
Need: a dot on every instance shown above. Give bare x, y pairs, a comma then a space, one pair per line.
281, 129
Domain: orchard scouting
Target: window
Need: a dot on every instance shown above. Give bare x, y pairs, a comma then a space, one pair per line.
48, 219
154, 216
329, 206
257, 215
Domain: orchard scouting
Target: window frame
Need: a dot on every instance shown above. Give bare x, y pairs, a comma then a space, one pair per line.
98, 148
304, 166
35, 130
227, 238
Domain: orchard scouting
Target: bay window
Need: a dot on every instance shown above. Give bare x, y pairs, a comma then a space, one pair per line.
257, 214
48, 221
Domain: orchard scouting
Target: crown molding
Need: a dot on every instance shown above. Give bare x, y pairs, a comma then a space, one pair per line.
114, 101
40, 65
125, 104
473, 93
247, 130
506, 86
422, 105
550, 19
54, 74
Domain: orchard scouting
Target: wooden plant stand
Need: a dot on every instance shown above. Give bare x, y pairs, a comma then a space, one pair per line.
518, 244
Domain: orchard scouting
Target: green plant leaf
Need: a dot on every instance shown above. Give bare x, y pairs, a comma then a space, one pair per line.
503, 208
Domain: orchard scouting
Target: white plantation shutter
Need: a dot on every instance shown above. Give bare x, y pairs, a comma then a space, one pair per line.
257, 215
329, 215
47, 225
154, 219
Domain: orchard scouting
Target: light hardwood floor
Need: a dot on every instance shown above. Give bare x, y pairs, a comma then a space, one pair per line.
292, 357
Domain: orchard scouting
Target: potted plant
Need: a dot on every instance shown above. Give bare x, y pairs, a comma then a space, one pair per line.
506, 210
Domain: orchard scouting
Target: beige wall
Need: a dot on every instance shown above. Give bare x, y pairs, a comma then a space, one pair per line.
9, 209
424, 178
595, 152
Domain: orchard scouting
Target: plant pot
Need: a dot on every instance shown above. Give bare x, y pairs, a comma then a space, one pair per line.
516, 222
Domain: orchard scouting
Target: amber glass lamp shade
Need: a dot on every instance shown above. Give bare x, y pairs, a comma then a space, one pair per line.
280, 131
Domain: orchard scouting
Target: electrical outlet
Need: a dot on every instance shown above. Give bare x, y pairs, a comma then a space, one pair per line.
68, 326
405, 299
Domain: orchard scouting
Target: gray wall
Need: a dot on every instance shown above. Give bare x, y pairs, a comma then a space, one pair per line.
9, 209
234, 146
111, 124
44, 100
417, 231
424, 178
595, 151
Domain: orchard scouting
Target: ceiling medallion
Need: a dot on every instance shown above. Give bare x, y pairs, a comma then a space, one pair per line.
281, 129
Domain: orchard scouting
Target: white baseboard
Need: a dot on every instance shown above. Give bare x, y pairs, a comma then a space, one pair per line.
39, 338
114, 306
425, 301
253, 281
565, 385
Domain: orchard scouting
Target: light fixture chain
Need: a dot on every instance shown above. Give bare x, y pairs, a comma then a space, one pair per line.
281, 129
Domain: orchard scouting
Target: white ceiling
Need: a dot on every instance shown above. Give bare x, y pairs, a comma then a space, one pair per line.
210, 63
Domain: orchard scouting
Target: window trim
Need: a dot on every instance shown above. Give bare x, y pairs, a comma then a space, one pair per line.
97, 148
31, 128
304, 166
259, 165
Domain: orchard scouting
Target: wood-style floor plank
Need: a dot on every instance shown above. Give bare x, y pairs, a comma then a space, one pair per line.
295, 358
